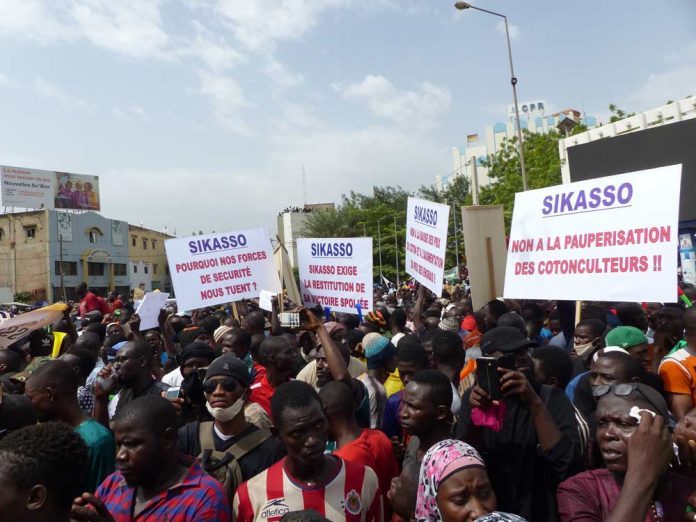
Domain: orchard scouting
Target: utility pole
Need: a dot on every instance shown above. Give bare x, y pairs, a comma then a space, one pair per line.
62, 280
379, 248
456, 237
396, 254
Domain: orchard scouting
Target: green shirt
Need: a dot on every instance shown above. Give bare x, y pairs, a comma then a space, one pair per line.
102, 453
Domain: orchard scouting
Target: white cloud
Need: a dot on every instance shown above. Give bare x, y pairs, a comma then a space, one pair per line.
226, 99
67, 101
130, 27
133, 113
213, 50
672, 83
512, 28
33, 20
281, 75
414, 108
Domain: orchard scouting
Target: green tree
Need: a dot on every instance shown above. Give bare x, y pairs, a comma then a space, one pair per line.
618, 114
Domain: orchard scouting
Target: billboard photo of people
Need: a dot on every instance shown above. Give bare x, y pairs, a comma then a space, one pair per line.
76, 191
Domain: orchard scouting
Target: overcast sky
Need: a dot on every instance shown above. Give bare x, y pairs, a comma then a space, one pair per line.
198, 114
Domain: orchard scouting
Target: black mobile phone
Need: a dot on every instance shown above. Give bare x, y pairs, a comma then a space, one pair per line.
507, 361
488, 376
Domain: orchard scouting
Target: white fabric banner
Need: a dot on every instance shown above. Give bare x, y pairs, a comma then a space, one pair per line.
606, 239
221, 268
336, 272
426, 242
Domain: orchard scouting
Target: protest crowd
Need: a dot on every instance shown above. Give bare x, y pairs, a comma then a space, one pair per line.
420, 409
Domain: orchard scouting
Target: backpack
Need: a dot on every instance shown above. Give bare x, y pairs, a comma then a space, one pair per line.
224, 466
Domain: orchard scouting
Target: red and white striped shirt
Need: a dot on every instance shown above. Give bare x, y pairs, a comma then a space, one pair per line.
353, 495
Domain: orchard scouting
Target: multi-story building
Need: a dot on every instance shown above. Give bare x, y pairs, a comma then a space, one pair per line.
46, 253
148, 259
532, 118
291, 222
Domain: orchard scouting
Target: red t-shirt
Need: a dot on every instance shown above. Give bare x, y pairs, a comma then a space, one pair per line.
373, 449
261, 393
92, 302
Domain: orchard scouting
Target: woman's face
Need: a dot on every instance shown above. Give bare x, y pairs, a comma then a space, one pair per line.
466, 495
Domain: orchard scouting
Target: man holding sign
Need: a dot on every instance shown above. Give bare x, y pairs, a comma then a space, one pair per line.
426, 242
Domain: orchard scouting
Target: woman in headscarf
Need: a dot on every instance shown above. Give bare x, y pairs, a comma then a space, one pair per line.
453, 485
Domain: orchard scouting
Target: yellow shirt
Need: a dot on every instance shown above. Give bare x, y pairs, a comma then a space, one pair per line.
393, 383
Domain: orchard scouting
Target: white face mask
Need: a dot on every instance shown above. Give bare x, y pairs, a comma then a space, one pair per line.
582, 349
225, 414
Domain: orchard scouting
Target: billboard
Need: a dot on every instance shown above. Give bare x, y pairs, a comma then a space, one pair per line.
32, 188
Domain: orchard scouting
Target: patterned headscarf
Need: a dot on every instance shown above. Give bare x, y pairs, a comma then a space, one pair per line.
441, 461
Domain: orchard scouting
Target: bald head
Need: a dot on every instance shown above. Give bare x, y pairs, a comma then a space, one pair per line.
337, 399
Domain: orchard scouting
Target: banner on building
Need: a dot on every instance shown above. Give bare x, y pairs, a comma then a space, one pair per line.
336, 272
33, 188
221, 268
20, 325
606, 239
426, 242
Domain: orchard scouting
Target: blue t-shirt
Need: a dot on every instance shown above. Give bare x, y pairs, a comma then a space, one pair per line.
101, 450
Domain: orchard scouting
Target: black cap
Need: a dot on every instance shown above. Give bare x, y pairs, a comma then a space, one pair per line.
504, 339
229, 365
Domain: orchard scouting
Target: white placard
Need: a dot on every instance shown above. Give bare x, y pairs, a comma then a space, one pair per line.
266, 300
336, 272
149, 308
221, 268
426, 242
607, 239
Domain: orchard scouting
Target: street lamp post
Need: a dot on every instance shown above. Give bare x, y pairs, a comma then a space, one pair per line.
513, 80
396, 255
379, 248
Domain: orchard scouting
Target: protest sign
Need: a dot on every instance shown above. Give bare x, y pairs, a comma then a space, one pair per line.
266, 300
221, 268
605, 239
149, 308
20, 325
426, 242
336, 272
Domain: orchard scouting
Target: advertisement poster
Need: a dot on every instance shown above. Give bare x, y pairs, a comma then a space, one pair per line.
33, 188
603, 239
336, 272
221, 268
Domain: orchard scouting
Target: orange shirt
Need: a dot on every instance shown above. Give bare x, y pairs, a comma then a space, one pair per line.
678, 372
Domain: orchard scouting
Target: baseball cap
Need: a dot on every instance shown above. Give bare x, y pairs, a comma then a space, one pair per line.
626, 337
504, 339
229, 365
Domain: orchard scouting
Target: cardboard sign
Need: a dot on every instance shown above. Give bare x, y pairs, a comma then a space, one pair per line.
336, 272
426, 242
605, 239
20, 325
221, 268
149, 308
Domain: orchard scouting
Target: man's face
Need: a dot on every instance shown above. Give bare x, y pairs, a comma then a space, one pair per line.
323, 373
304, 432
670, 322
193, 364
286, 358
128, 364
137, 452
583, 335
224, 395
418, 410
614, 427
41, 398
555, 326
340, 336
154, 341
114, 329
230, 344
205, 338
641, 353
406, 370
606, 371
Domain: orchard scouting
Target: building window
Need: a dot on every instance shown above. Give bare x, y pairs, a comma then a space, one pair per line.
120, 269
92, 236
166, 269
134, 240
135, 269
95, 269
2, 234
69, 268
144, 244
30, 232
154, 269
154, 244
145, 269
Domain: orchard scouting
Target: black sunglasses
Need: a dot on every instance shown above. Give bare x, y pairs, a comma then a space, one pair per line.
623, 390
229, 384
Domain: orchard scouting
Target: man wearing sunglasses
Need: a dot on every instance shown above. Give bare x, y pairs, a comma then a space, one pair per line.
637, 448
226, 388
